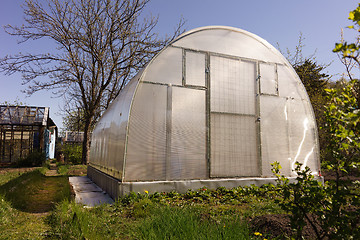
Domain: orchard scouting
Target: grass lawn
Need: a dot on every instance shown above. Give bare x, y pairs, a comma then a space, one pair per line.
72, 170
34, 192
26, 197
35, 206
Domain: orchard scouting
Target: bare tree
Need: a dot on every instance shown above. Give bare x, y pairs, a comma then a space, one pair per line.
100, 44
351, 62
296, 56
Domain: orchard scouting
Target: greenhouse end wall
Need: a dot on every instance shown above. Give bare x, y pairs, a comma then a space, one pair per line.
214, 108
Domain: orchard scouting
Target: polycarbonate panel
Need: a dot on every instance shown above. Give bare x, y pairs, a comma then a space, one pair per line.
268, 79
119, 125
302, 133
289, 84
232, 85
100, 140
195, 68
146, 147
108, 137
233, 146
188, 134
274, 134
166, 67
230, 42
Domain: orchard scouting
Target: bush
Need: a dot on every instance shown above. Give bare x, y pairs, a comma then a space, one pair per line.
72, 153
332, 209
34, 159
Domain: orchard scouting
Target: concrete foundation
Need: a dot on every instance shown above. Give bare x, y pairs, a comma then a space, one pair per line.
116, 188
105, 182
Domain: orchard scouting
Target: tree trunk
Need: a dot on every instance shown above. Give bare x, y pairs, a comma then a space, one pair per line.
86, 142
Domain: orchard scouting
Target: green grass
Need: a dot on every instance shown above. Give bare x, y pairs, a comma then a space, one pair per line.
34, 192
189, 223
63, 169
72, 170
6, 177
15, 224
72, 221
201, 214
213, 215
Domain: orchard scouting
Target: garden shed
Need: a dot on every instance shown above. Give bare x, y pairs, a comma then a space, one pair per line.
24, 129
214, 108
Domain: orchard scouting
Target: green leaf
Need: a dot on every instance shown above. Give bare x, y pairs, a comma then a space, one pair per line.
338, 47
351, 15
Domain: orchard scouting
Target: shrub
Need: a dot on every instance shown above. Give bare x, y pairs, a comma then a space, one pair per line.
34, 159
331, 209
72, 153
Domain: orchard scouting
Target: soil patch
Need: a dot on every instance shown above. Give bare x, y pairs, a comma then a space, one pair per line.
52, 170
77, 170
278, 225
351, 176
20, 170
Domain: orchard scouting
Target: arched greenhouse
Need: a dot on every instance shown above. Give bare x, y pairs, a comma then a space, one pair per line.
214, 108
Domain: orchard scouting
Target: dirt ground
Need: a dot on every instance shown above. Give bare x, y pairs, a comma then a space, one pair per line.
277, 225
331, 176
21, 170
77, 171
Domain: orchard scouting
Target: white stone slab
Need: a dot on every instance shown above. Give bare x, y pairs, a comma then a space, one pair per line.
88, 193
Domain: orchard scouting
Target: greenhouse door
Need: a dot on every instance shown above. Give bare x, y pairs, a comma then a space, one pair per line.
233, 131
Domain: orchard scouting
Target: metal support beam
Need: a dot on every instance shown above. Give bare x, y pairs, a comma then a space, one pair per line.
168, 132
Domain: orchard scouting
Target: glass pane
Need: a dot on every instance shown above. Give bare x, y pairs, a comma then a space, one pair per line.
188, 134
232, 85
268, 81
195, 69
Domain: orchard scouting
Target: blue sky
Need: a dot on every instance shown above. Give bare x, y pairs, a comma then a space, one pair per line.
277, 21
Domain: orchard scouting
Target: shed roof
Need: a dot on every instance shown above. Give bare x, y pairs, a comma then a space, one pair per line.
23, 115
